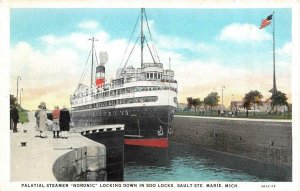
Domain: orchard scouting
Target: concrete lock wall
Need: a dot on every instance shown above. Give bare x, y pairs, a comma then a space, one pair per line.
85, 163
265, 141
114, 144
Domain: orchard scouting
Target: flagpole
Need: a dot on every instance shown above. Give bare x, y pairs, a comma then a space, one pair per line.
274, 77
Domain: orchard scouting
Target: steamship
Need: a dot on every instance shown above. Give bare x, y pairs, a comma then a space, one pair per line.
143, 98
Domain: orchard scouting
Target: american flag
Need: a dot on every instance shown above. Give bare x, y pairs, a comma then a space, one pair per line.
266, 22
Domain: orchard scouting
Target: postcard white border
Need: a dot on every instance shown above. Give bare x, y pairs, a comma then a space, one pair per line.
5, 6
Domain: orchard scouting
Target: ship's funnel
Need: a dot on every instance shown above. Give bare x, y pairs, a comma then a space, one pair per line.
100, 76
100, 70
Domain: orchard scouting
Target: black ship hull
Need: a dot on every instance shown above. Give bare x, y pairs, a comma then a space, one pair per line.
144, 125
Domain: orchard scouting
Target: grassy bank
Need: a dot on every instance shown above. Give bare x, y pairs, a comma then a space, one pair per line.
23, 116
241, 114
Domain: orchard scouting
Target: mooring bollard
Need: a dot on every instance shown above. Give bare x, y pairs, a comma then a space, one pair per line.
25, 131
23, 144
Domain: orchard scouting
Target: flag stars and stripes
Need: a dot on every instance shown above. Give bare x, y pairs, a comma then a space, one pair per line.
266, 22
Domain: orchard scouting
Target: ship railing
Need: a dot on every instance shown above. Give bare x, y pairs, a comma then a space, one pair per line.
116, 86
96, 96
159, 65
130, 70
98, 129
169, 72
146, 80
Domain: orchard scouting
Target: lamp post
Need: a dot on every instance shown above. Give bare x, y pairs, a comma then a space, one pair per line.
223, 87
232, 102
18, 78
21, 97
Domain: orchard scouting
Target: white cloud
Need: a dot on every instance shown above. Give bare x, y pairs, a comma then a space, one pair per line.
175, 42
52, 72
47, 75
283, 59
89, 25
285, 50
238, 32
43, 67
78, 40
198, 79
49, 39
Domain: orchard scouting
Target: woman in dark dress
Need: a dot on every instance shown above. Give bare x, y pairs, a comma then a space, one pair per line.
64, 122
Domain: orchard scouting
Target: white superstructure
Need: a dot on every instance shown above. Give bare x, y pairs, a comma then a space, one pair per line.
151, 85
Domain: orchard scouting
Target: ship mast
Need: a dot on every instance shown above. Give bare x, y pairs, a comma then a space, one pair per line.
93, 39
142, 38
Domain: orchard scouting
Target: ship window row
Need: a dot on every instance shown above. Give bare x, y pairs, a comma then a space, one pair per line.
133, 89
125, 90
119, 102
154, 75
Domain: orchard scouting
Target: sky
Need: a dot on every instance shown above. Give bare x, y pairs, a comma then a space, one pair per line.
208, 49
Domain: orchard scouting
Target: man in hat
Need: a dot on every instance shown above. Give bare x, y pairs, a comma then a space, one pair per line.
14, 114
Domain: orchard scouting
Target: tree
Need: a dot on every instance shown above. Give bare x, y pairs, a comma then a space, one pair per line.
212, 100
246, 105
278, 99
252, 98
190, 102
196, 103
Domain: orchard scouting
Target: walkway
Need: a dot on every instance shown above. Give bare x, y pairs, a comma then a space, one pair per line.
34, 162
